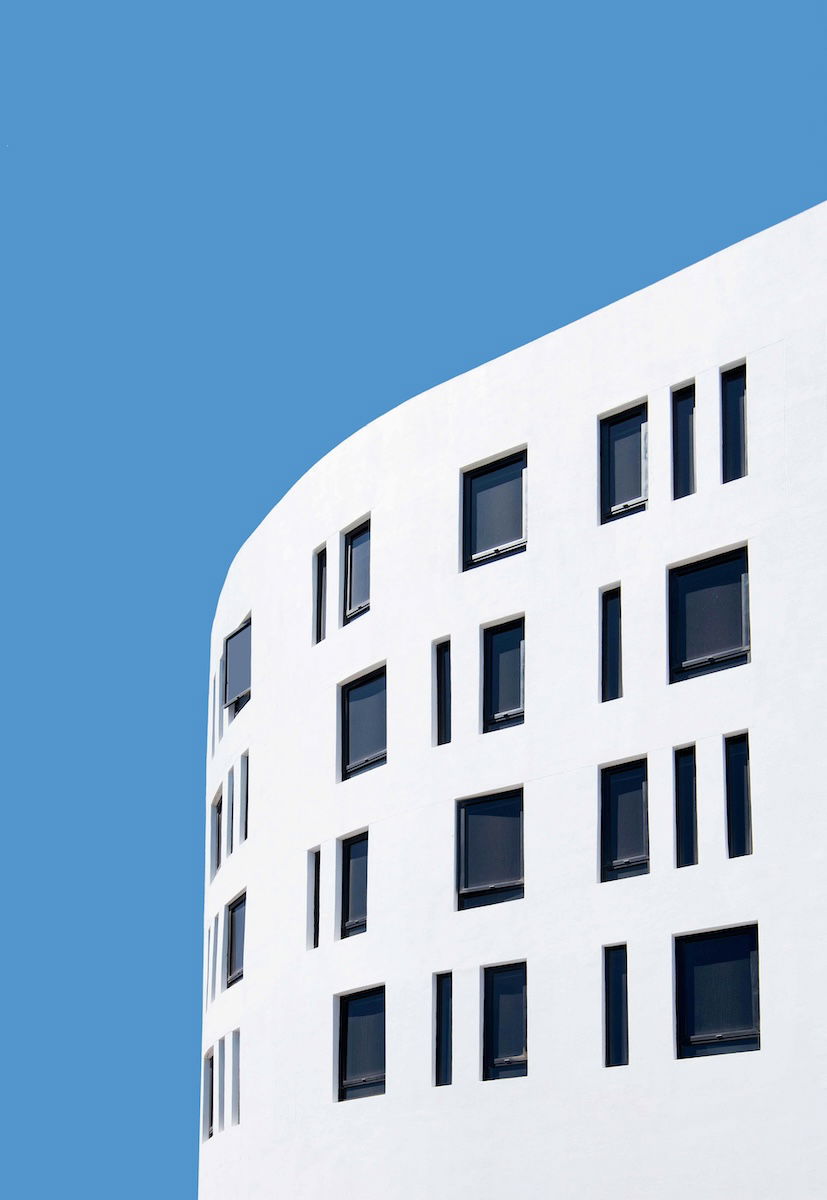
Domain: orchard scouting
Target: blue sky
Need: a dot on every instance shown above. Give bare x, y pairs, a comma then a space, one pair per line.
231, 235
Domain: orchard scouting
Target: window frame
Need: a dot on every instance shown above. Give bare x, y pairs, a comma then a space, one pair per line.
613, 512
237, 702
209, 1094
690, 1045
499, 892
442, 691
443, 1029
233, 977
607, 597
739, 823
351, 611
505, 549
351, 926
725, 375
683, 451
490, 1062
615, 1005
514, 716
375, 1078
349, 770
320, 595
686, 806
721, 660
617, 869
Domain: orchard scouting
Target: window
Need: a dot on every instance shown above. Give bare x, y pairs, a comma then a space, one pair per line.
733, 423
616, 1006
235, 940
230, 809
315, 865
490, 849
505, 1046
492, 511
217, 831
623, 483
716, 977
209, 1094
235, 1086
362, 1044
503, 675
739, 816
683, 441
245, 794
442, 663
364, 723
319, 594
357, 572
354, 885
443, 1024
686, 820
611, 667
237, 669
624, 824
708, 615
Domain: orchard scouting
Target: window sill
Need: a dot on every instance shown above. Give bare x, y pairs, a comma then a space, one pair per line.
487, 556
364, 764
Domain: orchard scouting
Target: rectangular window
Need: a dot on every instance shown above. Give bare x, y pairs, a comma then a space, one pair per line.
683, 441
230, 809
493, 520
357, 572
354, 885
490, 849
444, 1030
320, 595
237, 668
623, 463
611, 666
616, 1005
235, 940
503, 675
716, 976
362, 1044
686, 819
364, 723
624, 823
235, 1093
245, 794
708, 615
739, 816
209, 1094
733, 423
217, 832
442, 652
505, 1044
315, 865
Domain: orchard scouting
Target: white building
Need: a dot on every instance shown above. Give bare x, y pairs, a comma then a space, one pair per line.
646, 855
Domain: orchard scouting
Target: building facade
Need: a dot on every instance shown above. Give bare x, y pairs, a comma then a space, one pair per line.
514, 707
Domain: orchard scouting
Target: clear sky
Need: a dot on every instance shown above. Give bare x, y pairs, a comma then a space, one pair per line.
231, 235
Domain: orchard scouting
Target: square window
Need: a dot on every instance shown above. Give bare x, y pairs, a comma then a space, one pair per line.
354, 885
364, 723
623, 463
235, 940
717, 992
505, 1043
503, 675
490, 849
362, 1044
708, 615
237, 668
624, 821
492, 510
357, 572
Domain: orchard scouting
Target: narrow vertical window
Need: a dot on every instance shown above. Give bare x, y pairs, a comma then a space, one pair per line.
683, 441
209, 1095
443, 1048
443, 692
362, 1044
354, 885
357, 572
733, 423
503, 675
315, 881
220, 1080
739, 816
616, 1005
245, 794
624, 824
235, 1096
230, 809
320, 595
235, 940
623, 463
686, 819
505, 1043
217, 831
611, 660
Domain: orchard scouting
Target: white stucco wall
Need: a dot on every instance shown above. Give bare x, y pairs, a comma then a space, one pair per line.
739, 1125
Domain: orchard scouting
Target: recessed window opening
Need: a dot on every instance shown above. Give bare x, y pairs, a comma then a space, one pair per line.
490, 849
314, 870
733, 423
443, 1045
217, 831
623, 463
505, 1043
354, 885
245, 795
504, 675
230, 810
209, 1095
235, 1094
624, 821
357, 572
364, 723
686, 819
716, 977
235, 940
319, 594
237, 668
442, 677
709, 615
611, 664
616, 1006
493, 510
683, 441
739, 815
362, 1044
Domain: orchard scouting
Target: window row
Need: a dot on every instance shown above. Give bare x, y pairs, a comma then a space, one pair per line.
716, 1012
221, 1104
228, 815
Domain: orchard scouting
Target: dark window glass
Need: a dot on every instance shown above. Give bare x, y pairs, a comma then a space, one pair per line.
624, 826
317, 880
490, 842
217, 832
320, 595
611, 659
623, 463
733, 423
237, 668
683, 442
209, 1094
443, 1049
739, 816
717, 992
235, 940
493, 510
443, 693
505, 1046
708, 615
364, 723
503, 653
357, 572
617, 1010
362, 1044
686, 820
354, 885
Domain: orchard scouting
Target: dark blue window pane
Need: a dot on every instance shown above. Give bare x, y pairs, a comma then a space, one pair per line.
321, 595
686, 824
504, 1034
617, 1016
235, 940
237, 664
444, 1006
357, 567
709, 615
317, 879
364, 722
443, 693
717, 978
503, 672
493, 507
491, 850
362, 1045
622, 453
739, 816
612, 677
683, 442
624, 822
733, 424
354, 885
